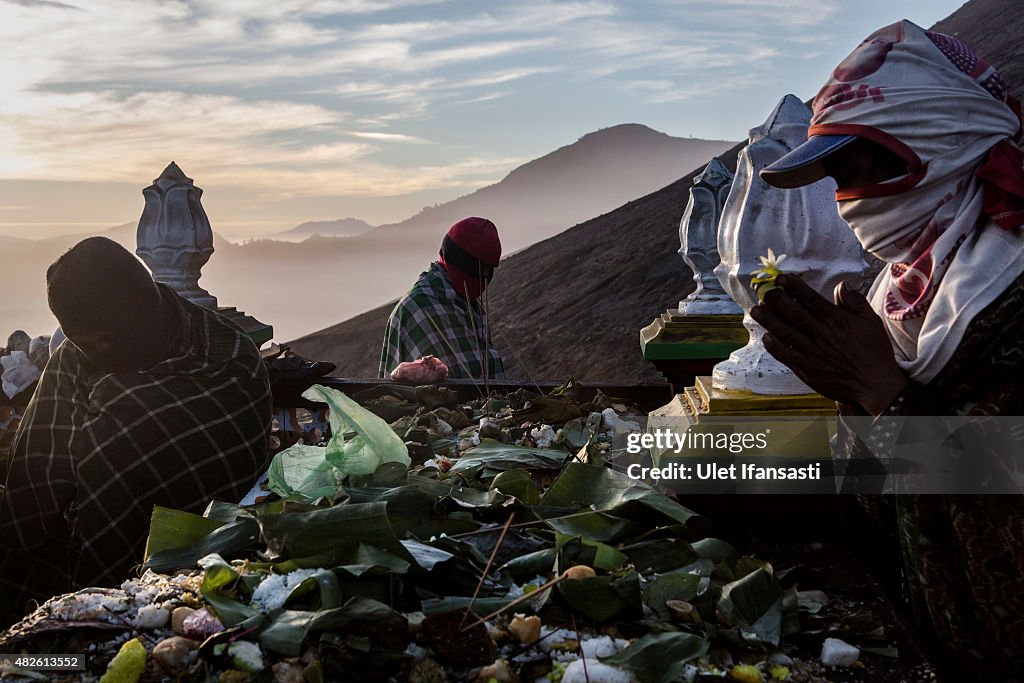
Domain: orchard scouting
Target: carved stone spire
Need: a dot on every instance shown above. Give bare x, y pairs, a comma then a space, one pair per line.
174, 237
802, 223
698, 238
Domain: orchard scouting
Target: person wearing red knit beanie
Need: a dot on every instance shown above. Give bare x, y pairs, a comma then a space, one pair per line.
445, 313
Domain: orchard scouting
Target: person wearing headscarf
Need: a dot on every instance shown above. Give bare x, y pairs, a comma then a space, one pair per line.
18, 341
151, 400
922, 139
443, 315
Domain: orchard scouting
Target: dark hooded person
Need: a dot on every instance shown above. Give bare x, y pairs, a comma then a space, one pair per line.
921, 138
152, 400
443, 315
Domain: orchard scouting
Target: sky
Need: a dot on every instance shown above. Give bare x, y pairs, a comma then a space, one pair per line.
292, 110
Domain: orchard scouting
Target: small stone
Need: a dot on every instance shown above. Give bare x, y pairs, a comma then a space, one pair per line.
500, 671
151, 617
201, 624
288, 671
246, 656
835, 652
178, 617
490, 428
175, 653
526, 629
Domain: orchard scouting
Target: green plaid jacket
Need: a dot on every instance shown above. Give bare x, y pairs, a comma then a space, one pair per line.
96, 451
432, 320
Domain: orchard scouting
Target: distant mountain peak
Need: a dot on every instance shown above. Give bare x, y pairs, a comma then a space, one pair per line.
342, 227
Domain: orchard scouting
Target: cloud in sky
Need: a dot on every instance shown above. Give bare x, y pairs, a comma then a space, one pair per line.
375, 97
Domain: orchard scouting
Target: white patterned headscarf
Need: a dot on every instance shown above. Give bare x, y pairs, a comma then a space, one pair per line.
949, 228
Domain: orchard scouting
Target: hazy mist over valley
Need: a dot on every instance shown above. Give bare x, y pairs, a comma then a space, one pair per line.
323, 272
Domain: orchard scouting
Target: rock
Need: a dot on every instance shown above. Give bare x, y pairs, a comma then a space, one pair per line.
175, 653
151, 617
543, 436
178, 617
579, 571
246, 656
835, 652
288, 671
611, 422
500, 671
201, 624
526, 629
489, 428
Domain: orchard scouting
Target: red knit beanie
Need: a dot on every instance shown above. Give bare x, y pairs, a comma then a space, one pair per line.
479, 237
475, 240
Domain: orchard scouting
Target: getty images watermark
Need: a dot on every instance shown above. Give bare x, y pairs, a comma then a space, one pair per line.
946, 455
666, 441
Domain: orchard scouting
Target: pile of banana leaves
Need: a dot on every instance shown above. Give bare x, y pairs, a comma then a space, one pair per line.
409, 548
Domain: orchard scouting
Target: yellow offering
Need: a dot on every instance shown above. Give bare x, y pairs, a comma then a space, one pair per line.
128, 664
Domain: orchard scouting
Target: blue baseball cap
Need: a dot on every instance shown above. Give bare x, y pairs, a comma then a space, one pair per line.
803, 165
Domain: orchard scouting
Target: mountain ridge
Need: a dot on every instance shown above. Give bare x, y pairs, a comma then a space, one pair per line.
300, 286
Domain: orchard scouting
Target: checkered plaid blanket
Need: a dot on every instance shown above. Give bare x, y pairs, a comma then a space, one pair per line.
96, 451
432, 320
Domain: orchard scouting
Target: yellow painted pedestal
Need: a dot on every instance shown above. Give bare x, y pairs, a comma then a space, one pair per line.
793, 426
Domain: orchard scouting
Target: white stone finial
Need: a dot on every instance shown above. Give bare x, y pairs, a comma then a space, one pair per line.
174, 237
803, 223
698, 239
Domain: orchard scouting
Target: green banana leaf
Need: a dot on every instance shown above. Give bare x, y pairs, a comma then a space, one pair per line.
170, 529
492, 457
587, 486
285, 630
578, 550
301, 534
518, 484
227, 540
218, 578
760, 608
659, 657
662, 555
603, 598
664, 587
